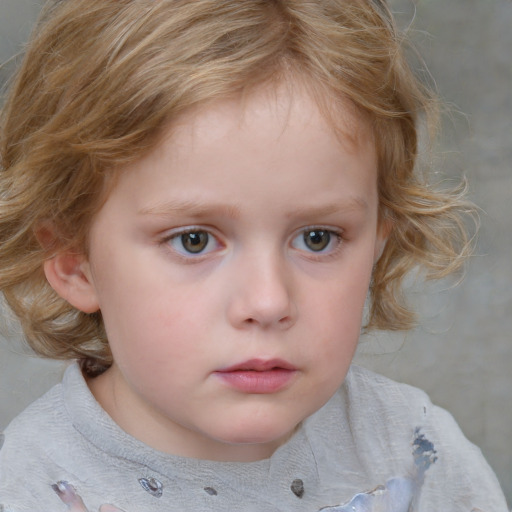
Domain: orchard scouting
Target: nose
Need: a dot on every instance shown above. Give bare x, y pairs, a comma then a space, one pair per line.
262, 294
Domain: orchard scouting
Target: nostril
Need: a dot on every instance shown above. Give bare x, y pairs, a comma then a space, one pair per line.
285, 321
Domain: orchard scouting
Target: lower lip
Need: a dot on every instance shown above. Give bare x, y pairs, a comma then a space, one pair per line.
249, 381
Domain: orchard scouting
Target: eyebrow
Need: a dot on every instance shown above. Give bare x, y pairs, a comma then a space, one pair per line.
357, 203
201, 209
192, 209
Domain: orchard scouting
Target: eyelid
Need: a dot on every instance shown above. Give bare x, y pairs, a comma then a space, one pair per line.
336, 232
185, 255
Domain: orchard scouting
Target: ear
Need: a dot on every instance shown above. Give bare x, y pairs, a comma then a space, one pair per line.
69, 275
383, 230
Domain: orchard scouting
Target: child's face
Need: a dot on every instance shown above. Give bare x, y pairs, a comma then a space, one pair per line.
231, 267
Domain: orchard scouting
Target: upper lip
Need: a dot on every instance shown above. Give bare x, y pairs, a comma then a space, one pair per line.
259, 365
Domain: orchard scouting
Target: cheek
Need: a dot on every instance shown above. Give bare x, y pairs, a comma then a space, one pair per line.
154, 348
341, 300
156, 325
335, 317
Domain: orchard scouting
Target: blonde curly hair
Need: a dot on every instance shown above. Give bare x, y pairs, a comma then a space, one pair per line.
101, 78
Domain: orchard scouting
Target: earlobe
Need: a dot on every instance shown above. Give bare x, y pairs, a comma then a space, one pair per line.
69, 275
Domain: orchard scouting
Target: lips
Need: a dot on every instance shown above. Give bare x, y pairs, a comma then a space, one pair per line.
258, 376
260, 365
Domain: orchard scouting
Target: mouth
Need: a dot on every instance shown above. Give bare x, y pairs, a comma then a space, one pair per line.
260, 365
258, 376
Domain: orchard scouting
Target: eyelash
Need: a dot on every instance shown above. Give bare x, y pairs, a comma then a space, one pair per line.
335, 242
190, 256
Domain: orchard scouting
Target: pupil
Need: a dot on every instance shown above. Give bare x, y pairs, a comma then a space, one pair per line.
317, 240
194, 242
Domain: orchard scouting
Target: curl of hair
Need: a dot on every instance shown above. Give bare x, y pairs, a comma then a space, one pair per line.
101, 79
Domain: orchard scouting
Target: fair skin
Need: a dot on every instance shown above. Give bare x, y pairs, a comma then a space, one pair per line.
231, 266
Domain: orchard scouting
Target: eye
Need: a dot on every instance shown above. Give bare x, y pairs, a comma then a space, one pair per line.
317, 240
193, 242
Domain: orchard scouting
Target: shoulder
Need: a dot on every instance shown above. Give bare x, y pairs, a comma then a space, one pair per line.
388, 418
389, 408
32, 447
383, 391
41, 410
31, 429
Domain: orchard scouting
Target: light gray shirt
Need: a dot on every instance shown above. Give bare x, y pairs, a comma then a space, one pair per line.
375, 446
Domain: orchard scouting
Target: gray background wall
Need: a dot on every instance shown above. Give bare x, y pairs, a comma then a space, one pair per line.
462, 353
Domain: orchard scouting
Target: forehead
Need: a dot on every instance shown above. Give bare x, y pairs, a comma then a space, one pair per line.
282, 128
289, 103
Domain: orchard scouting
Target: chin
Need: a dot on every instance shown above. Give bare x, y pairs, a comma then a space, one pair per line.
265, 435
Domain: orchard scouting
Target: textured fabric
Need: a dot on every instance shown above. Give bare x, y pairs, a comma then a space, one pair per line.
374, 432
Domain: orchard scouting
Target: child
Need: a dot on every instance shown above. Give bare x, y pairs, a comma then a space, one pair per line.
196, 197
